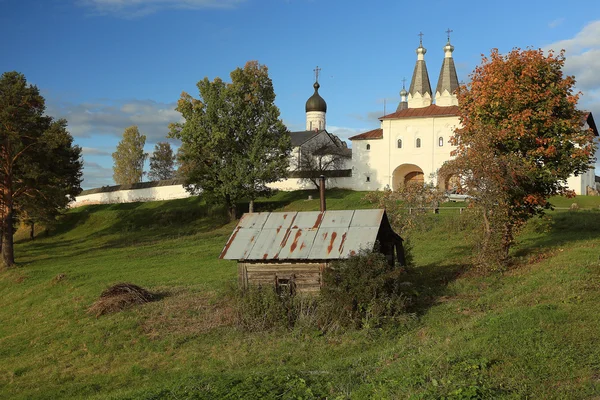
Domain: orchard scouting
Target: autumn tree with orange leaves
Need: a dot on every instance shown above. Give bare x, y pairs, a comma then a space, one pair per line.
520, 138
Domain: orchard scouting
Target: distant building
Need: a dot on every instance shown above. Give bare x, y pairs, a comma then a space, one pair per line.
314, 150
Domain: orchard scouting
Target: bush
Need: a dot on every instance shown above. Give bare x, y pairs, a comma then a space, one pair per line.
362, 291
260, 308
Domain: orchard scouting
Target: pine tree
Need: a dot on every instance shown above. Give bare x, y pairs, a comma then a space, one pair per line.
40, 168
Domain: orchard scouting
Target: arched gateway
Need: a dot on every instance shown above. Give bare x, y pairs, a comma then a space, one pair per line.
406, 173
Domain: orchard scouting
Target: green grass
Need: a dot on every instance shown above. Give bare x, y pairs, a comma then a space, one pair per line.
528, 333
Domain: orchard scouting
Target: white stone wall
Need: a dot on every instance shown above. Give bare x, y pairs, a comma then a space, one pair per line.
132, 195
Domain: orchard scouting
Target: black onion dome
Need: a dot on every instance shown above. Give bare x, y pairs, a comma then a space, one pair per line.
316, 102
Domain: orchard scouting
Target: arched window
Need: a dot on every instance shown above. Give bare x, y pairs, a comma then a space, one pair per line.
418, 142
368, 178
441, 141
399, 143
368, 147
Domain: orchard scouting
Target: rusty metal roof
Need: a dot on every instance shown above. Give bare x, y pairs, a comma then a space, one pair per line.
310, 235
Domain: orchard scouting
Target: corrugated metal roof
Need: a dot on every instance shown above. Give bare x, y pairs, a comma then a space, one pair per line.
308, 235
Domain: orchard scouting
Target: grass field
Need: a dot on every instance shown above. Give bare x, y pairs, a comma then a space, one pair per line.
531, 332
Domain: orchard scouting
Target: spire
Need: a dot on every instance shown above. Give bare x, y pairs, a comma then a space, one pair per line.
316, 107
403, 97
419, 94
445, 93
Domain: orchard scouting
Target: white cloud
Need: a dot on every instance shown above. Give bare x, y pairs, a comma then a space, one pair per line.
557, 22
94, 151
583, 61
344, 133
112, 117
95, 175
582, 56
140, 8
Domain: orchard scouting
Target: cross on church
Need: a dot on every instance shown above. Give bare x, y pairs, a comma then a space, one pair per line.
420, 35
317, 73
403, 83
449, 31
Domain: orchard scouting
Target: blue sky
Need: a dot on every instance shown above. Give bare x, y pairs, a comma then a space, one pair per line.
105, 65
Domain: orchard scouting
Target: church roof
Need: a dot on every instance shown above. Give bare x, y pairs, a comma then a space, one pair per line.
420, 78
425, 112
300, 137
448, 79
587, 117
316, 102
374, 134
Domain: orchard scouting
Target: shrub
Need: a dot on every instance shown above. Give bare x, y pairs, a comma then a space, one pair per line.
260, 308
362, 291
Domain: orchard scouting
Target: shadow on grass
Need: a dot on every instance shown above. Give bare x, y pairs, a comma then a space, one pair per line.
430, 283
564, 227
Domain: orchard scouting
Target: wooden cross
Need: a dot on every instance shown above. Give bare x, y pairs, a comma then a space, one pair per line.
316, 70
420, 35
449, 31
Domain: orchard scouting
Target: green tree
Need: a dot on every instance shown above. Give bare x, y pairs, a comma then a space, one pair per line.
235, 143
162, 162
38, 162
57, 183
130, 157
521, 138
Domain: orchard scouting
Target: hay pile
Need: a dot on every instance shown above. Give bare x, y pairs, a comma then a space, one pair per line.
119, 297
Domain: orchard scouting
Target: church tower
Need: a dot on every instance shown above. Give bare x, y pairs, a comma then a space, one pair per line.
419, 94
445, 93
403, 98
316, 108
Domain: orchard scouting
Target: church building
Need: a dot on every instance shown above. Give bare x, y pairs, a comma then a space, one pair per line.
411, 143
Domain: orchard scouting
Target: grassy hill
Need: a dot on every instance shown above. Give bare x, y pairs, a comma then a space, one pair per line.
531, 332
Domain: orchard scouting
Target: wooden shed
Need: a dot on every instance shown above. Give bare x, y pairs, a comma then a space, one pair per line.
291, 249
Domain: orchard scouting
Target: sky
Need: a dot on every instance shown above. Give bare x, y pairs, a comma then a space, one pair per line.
105, 65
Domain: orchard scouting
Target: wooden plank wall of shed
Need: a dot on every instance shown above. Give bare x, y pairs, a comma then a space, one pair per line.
307, 275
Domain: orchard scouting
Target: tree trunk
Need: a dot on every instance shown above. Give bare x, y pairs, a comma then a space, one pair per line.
8, 256
32, 231
251, 206
230, 208
507, 240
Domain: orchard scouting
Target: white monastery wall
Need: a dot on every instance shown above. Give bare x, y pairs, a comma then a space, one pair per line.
170, 192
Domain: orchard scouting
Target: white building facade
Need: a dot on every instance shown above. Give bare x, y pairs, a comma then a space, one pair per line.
413, 142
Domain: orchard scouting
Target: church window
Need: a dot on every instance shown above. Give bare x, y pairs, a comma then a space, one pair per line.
368, 147
368, 178
418, 142
310, 129
441, 141
399, 143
